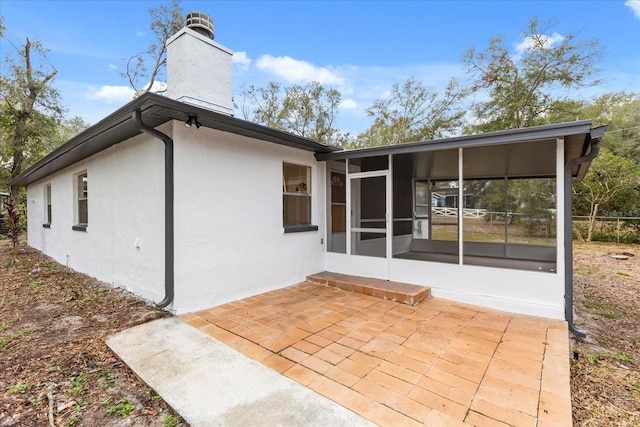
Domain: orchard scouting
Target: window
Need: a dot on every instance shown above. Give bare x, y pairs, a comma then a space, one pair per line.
338, 203
82, 202
296, 198
47, 206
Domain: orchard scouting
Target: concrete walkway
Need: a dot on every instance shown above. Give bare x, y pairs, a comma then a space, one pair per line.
211, 384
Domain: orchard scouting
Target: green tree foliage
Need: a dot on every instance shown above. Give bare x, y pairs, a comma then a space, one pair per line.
413, 113
144, 68
621, 113
308, 110
611, 187
30, 108
521, 87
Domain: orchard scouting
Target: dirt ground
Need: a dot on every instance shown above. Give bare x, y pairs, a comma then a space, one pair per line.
605, 372
56, 370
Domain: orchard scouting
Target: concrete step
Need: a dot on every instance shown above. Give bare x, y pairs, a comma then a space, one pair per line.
394, 291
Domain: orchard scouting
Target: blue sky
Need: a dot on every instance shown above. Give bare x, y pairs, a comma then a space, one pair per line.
361, 48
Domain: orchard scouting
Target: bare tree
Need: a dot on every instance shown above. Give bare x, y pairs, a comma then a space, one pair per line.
144, 68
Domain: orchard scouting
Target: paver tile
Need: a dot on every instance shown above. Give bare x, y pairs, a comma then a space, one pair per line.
294, 354
439, 403
407, 406
343, 377
327, 387
438, 363
479, 420
301, 374
466, 371
372, 390
358, 403
399, 372
306, 346
502, 414
389, 382
554, 408
437, 418
421, 367
278, 363
388, 417
351, 342
449, 386
318, 340
315, 364
354, 368
330, 356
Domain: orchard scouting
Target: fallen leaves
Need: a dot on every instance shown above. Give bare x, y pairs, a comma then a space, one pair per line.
55, 368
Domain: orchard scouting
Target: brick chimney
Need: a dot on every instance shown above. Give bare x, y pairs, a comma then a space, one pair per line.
199, 69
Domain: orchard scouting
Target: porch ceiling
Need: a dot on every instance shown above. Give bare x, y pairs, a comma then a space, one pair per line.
536, 159
528, 152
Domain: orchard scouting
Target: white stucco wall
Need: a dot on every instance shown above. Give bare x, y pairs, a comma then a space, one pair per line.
230, 241
126, 208
517, 291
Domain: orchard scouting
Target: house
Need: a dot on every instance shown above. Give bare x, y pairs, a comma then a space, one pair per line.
176, 200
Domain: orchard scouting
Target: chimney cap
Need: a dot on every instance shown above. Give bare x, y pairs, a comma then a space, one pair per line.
201, 23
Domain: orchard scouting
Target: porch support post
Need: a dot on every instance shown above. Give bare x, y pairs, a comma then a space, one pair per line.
460, 207
347, 183
560, 208
389, 209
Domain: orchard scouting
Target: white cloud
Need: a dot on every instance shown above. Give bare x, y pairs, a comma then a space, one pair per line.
296, 71
140, 33
528, 43
348, 104
110, 94
241, 60
112, 67
634, 5
157, 87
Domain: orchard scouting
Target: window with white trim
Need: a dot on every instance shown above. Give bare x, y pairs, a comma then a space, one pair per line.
47, 206
296, 197
82, 202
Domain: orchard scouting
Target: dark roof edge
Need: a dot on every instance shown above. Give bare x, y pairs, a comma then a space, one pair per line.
257, 130
490, 138
148, 100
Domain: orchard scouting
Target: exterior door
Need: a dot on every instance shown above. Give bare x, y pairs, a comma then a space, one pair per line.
368, 228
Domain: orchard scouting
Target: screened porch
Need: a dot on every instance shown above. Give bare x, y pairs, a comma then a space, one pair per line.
490, 206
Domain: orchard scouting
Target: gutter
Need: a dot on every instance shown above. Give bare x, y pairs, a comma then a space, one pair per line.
594, 141
168, 207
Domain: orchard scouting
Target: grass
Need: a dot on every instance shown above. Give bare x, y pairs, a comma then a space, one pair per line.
110, 379
19, 388
599, 309
122, 409
78, 385
169, 421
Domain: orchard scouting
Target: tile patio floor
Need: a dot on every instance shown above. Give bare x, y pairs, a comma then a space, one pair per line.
438, 363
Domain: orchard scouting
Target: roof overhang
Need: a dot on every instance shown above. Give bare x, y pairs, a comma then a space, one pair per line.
526, 152
155, 111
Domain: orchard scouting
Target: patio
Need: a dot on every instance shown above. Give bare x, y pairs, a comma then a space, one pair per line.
435, 363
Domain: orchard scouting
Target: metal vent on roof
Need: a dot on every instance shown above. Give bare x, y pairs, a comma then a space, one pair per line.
201, 23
